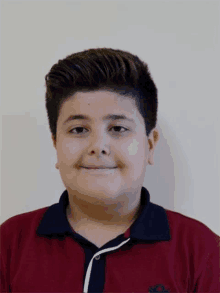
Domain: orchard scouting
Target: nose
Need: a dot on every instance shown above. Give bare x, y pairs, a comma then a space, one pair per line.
98, 145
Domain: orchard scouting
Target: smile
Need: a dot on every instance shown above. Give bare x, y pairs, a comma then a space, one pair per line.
99, 168
99, 171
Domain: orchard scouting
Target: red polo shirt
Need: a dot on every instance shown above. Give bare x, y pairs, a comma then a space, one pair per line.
163, 251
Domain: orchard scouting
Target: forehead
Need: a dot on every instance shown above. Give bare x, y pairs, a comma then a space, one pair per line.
98, 104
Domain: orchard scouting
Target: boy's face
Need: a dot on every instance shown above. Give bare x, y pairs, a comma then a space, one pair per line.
102, 143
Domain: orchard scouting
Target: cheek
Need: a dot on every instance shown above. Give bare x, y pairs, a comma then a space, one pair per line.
133, 148
67, 150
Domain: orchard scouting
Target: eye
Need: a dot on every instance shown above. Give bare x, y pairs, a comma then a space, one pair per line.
117, 127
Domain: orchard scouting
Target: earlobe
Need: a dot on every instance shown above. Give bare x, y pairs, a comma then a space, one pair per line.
151, 160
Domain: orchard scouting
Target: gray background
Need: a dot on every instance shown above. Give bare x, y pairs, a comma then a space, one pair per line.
180, 42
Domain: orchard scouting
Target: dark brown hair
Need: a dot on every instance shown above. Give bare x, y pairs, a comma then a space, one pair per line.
102, 68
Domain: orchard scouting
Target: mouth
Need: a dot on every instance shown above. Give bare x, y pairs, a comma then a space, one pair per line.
99, 171
98, 168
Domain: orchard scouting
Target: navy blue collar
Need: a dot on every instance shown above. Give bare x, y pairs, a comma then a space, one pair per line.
152, 223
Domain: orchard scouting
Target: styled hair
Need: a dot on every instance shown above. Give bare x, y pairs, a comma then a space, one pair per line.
101, 69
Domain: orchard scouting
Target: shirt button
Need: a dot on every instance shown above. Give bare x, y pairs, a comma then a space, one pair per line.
97, 257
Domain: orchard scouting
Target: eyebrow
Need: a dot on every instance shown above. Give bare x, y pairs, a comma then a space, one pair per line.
105, 118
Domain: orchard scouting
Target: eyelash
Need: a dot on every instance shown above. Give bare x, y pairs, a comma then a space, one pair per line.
111, 127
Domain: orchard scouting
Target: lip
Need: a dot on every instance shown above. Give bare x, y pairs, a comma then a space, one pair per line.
98, 168
99, 171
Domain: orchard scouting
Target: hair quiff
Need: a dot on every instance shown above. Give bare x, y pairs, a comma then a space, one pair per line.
101, 69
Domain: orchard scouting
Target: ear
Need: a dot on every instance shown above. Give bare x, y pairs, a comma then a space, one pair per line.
54, 141
152, 142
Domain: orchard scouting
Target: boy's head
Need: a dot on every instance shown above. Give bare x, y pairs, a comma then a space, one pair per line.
94, 69
97, 83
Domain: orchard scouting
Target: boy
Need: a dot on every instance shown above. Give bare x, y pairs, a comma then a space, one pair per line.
105, 235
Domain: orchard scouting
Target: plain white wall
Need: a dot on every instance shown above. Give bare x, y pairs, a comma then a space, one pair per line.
180, 42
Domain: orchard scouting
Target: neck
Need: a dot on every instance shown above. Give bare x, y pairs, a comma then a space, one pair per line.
102, 216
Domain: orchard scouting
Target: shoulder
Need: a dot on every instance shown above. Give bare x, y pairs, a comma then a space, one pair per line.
22, 222
190, 231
